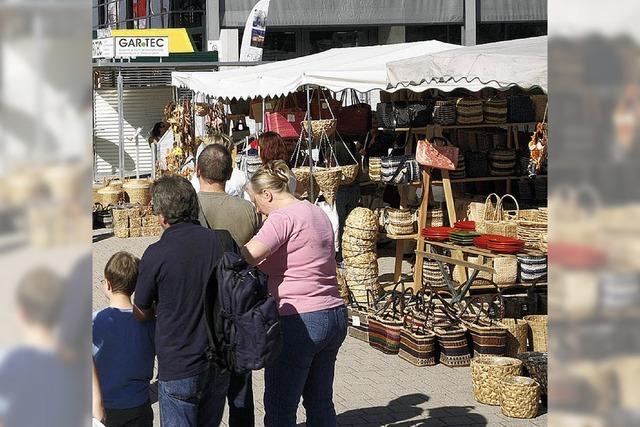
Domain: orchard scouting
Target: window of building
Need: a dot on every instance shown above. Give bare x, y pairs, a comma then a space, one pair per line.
443, 33
279, 45
320, 41
497, 32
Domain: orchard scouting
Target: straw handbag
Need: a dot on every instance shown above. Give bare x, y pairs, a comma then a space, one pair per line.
495, 110
504, 223
418, 344
385, 327
469, 111
478, 211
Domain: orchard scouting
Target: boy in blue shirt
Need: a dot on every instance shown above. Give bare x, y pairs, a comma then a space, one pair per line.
123, 349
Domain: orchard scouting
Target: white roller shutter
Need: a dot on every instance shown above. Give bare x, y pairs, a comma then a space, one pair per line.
143, 107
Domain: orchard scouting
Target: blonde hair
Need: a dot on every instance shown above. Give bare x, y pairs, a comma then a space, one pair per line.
272, 176
219, 139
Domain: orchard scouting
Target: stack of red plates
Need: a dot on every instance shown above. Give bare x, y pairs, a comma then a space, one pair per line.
466, 225
505, 245
483, 240
439, 234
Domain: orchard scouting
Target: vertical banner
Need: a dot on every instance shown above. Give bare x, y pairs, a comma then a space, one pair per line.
254, 33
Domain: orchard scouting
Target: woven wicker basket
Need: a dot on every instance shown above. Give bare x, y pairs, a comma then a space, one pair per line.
400, 222
539, 331
319, 127
110, 195
358, 259
375, 166
535, 364
362, 219
530, 232
519, 397
517, 333
487, 372
303, 173
120, 218
95, 196
349, 173
139, 191
328, 180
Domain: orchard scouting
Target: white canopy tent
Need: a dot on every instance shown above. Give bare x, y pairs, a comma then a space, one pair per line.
360, 68
521, 62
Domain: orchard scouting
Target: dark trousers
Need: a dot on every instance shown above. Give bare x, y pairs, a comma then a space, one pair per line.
240, 398
140, 416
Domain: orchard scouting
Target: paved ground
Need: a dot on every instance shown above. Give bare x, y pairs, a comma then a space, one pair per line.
371, 389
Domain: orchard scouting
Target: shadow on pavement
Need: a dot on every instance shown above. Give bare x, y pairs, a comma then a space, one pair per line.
101, 237
448, 415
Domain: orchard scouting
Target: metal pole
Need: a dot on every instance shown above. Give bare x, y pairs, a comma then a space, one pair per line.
138, 153
311, 195
121, 124
264, 115
154, 157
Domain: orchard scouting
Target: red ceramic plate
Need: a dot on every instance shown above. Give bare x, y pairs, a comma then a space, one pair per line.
466, 225
505, 240
482, 241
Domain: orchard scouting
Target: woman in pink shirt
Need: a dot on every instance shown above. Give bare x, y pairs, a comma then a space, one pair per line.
295, 248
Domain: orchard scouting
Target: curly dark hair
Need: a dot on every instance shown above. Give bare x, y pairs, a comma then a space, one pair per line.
175, 199
272, 147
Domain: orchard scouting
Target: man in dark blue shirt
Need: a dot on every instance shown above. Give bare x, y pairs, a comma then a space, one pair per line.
171, 277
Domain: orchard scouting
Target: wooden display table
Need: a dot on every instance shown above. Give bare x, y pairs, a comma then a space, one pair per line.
435, 251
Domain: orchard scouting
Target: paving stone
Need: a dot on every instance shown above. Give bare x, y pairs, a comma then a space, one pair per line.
371, 388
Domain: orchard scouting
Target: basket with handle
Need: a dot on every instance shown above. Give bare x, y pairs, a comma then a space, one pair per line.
418, 344
400, 222
358, 315
504, 223
138, 190
482, 212
386, 324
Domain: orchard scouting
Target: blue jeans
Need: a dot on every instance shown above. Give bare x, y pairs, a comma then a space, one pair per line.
305, 368
194, 401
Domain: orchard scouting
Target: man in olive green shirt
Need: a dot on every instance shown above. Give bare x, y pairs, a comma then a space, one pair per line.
218, 209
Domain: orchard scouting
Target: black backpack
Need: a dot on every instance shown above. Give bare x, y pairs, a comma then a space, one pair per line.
241, 317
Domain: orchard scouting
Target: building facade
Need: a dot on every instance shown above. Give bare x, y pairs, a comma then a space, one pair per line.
301, 27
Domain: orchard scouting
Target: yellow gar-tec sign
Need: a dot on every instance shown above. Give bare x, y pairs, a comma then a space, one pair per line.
179, 41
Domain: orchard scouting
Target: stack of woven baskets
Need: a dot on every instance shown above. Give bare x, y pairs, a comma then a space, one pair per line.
135, 221
497, 381
432, 275
375, 166
359, 253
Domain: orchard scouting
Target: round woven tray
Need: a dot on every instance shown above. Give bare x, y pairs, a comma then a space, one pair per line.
539, 331
139, 191
487, 372
519, 397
